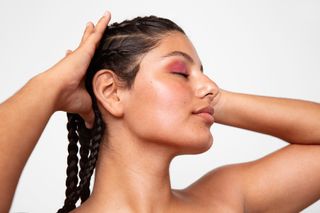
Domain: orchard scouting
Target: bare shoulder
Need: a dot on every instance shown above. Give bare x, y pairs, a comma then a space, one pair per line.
221, 188
286, 180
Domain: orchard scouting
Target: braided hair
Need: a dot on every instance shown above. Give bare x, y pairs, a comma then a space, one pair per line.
121, 48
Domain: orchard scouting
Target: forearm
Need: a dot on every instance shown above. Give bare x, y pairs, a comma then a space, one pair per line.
294, 121
23, 118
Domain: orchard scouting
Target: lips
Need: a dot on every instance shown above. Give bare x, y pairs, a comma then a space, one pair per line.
205, 113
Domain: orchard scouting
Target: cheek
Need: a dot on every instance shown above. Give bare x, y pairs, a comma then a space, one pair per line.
161, 112
169, 102
157, 105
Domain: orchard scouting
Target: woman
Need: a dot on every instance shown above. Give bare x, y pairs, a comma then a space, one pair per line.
148, 101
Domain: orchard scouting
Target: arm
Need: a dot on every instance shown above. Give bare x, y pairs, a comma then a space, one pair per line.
294, 121
23, 118
287, 180
25, 114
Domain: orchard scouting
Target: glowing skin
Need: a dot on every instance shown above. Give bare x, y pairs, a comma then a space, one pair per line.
148, 125
164, 114
168, 88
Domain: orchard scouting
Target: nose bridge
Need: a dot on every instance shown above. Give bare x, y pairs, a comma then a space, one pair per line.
204, 86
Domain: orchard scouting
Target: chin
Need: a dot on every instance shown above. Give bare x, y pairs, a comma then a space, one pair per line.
197, 146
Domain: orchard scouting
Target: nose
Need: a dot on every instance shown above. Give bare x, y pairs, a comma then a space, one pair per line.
206, 88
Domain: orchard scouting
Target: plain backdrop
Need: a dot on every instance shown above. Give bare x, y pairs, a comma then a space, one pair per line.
266, 47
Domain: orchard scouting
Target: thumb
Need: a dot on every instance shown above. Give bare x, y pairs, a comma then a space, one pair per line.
88, 118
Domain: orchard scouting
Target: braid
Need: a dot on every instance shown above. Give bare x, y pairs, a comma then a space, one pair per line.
72, 169
96, 138
89, 141
85, 142
120, 50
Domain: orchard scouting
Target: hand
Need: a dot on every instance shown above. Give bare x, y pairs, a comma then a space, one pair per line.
218, 103
68, 74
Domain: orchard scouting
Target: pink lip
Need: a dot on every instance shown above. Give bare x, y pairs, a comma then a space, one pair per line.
206, 113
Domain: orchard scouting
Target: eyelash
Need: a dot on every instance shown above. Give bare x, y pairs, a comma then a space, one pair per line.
182, 74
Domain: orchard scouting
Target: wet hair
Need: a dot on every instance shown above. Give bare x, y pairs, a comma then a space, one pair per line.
120, 50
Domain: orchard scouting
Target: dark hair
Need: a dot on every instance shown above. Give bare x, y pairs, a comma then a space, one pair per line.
120, 50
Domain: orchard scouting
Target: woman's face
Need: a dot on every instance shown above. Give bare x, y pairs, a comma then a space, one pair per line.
169, 90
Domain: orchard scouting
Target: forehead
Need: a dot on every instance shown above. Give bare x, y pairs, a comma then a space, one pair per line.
172, 42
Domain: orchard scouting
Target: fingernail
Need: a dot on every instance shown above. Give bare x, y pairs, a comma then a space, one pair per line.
87, 25
88, 125
106, 13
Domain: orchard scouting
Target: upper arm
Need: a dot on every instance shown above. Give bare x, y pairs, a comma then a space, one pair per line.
287, 180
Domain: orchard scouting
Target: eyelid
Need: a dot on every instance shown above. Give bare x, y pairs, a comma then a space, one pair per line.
183, 74
179, 66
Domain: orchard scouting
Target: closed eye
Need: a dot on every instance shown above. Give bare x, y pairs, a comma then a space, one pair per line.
185, 75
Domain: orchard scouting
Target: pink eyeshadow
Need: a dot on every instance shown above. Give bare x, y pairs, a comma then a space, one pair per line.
178, 66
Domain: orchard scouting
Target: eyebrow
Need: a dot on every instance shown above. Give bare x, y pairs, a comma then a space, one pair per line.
184, 55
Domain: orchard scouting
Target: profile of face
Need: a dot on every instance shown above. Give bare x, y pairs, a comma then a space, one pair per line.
148, 89
169, 91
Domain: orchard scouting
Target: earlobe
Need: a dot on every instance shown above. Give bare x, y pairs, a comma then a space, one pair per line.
106, 89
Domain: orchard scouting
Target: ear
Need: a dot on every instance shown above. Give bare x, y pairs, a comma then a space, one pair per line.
106, 89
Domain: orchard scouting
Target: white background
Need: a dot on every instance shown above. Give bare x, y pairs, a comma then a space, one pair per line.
266, 47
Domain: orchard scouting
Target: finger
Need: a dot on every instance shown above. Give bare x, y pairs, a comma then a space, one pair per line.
88, 118
99, 28
102, 23
87, 32
89, 45
86, 109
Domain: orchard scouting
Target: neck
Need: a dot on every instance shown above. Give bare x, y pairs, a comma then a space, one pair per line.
133, 175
